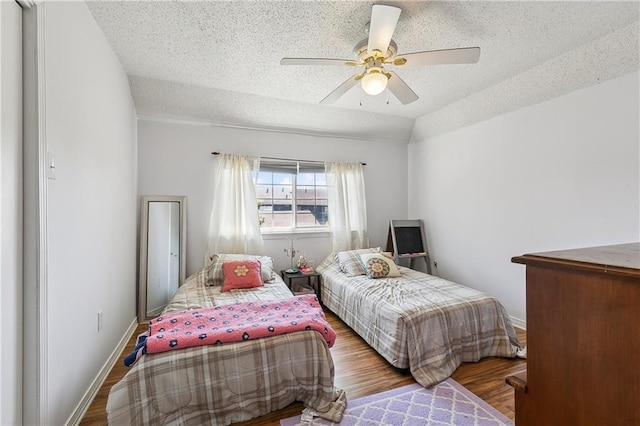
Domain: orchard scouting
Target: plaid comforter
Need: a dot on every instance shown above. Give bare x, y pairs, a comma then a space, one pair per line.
419, 321
221, 384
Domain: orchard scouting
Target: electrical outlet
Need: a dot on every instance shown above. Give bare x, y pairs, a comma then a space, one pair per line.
100, 320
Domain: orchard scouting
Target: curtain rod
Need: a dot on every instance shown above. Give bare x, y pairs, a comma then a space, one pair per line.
288, 159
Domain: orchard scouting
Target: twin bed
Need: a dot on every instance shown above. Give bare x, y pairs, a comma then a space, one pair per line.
232, 382
415, 321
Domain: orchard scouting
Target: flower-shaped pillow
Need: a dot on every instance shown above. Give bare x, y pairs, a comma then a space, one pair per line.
376, 265
239, 274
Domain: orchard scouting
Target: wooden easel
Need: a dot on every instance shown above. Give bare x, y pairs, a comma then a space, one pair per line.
406, 240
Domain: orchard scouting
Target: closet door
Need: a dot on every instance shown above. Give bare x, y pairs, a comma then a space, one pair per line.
11, 217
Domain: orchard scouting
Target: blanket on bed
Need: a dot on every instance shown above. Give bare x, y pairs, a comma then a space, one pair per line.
234, 322
419, 321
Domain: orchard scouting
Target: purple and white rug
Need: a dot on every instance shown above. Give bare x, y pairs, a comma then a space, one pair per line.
447, 403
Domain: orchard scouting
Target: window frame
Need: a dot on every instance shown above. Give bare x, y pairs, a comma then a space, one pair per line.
294, 168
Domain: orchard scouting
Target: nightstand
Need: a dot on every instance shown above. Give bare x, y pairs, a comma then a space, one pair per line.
315, 285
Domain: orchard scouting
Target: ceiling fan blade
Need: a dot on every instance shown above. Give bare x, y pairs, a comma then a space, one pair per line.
383, 23
400, 89
317, 61
340, 90
464, 55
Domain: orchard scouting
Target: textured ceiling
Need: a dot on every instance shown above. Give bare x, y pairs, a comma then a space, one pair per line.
219, 61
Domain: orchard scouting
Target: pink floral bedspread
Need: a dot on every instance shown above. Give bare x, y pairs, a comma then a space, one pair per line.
237, 322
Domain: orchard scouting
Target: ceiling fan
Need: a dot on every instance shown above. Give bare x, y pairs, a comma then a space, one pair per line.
380, 51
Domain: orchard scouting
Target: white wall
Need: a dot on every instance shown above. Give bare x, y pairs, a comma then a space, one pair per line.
11, 213
560, 174
90, 264
175, 159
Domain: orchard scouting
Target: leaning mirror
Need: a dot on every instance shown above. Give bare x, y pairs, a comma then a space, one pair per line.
162, 256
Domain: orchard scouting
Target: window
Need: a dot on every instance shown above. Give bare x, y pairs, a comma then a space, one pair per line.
291, 195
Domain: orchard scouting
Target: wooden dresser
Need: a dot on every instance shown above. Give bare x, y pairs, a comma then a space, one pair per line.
583, 338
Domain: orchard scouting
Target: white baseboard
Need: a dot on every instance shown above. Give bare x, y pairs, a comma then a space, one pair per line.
91, 393
517, 322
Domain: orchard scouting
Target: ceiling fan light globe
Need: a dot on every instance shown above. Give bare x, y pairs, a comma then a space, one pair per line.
374, 83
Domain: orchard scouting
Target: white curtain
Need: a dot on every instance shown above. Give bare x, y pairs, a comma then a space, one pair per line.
235, 227
347, 206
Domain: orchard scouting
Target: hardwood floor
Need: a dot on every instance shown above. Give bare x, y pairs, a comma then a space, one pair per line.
360, 371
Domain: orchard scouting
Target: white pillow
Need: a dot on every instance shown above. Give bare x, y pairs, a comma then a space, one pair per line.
377, 265
350, 263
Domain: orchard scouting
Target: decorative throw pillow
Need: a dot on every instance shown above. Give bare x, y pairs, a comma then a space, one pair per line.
349, 261
216, 274
377, 265
241, 274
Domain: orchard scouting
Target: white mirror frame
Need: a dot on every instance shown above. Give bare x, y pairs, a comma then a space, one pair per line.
144, 237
